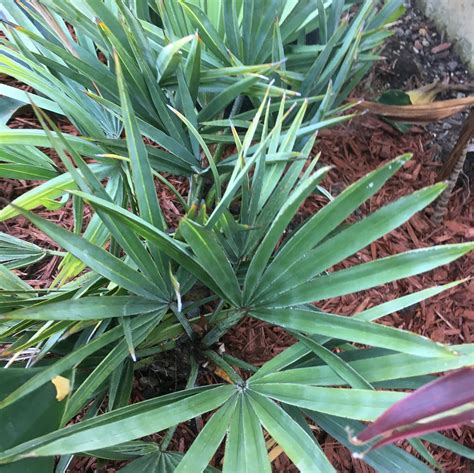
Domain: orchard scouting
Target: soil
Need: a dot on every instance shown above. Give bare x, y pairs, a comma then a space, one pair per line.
416, 55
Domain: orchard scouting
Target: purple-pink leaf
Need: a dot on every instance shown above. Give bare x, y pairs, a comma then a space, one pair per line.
441, 395
415, 430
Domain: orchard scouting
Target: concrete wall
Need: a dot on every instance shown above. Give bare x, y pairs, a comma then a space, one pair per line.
456, 17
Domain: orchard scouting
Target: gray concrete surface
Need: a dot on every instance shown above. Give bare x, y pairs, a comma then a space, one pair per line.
456, 17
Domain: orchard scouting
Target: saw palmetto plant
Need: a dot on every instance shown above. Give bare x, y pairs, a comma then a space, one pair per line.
210, 60
222, 108
191, 56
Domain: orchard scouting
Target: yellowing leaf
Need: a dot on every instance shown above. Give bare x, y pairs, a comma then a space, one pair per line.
63, 387
223, 375
426, 94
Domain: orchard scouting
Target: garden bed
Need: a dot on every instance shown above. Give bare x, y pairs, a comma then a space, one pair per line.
353, 149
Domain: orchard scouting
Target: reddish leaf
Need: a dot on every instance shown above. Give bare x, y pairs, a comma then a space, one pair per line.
416, 430
441, 395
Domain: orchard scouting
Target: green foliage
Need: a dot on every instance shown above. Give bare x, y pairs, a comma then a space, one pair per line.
24, 421
251, 81
201, 58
